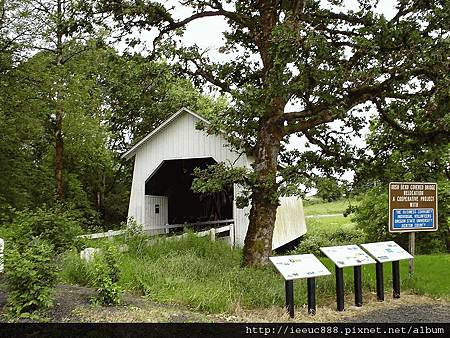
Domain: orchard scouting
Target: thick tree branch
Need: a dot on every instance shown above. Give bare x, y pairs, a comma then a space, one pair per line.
303, 125
392, 123
200, 71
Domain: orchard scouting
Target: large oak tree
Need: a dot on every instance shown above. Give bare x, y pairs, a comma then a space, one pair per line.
328, 60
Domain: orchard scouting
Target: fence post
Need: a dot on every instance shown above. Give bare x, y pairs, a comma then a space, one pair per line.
232, 235
212, 233
110, 235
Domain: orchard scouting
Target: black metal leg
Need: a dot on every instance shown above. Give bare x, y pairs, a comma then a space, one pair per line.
396, 279
357, 283
311, 295
380, 281
289, 284
339, 288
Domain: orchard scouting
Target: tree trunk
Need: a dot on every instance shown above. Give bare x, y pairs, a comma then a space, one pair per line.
258, 241
59, 146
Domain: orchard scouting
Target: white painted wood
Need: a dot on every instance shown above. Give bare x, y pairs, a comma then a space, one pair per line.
181, 225
290, 222
133, 150
198, 234
231, 237
241, 219
109, 234
154, 219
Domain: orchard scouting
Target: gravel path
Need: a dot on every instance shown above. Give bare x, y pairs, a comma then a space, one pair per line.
427, 313
323, 216
72, 305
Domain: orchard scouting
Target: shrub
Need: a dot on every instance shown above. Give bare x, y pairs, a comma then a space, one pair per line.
30, 275
107, 270
56, 225
311, 243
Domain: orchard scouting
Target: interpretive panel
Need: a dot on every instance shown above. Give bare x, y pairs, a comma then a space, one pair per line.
347, 255
299, 266
386, 251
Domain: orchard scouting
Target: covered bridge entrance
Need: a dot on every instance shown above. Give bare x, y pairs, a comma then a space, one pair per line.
170, 199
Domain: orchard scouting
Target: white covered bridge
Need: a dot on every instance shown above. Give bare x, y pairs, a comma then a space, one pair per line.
161, 192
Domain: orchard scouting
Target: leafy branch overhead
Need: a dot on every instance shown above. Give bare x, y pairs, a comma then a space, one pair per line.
326, 61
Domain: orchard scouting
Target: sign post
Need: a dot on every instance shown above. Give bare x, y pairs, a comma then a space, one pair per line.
311, 295
300, 266
412, 208
387, 252
347, 256
289, 290
412, 251
380, 281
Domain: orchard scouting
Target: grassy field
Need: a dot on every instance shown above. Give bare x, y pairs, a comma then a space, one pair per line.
207, 276
315, 206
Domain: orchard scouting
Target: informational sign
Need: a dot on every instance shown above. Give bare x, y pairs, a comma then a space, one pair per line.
299, 266
386, 251
347, 255
412, 207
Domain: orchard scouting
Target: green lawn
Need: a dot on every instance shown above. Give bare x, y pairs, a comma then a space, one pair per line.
207, 276
328, 223
315, 206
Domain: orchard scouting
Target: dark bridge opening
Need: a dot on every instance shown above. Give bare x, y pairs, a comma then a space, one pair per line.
174, 179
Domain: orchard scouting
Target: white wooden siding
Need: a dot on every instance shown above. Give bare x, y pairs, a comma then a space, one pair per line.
290, 222
153, 219
240, 217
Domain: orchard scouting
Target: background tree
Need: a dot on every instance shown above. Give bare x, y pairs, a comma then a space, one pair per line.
326, 59
110, 101
328, 189
58, 27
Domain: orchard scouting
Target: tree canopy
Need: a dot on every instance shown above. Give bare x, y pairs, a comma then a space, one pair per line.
331, 62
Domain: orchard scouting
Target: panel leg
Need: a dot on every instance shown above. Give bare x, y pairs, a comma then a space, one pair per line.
380, 281
339, 288
358, 285
396, 279
311, 295
289, 284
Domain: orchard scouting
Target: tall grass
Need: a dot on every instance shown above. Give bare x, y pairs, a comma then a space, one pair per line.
207, 276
